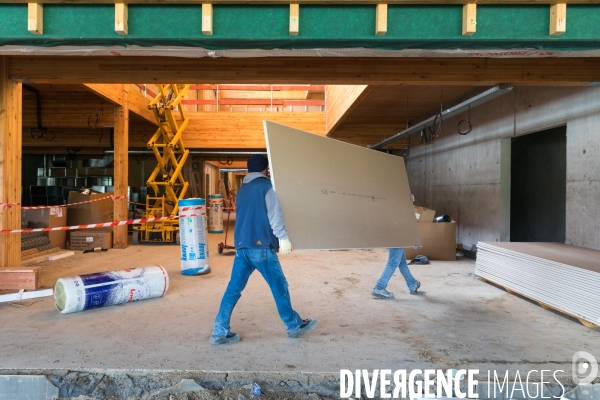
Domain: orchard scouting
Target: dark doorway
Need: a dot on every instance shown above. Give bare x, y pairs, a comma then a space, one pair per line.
538, 189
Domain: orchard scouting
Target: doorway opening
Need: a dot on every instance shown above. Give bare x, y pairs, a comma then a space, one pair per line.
538, 186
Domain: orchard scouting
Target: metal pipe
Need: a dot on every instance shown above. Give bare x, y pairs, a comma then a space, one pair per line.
206, 153
475, 101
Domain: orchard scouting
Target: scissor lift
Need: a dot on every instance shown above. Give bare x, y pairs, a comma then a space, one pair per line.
166, 181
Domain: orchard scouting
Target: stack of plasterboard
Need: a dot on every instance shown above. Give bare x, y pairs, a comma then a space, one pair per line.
566, 278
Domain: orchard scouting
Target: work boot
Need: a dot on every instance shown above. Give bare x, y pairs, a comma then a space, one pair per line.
414, 290
307, 326
382, 294
231, 338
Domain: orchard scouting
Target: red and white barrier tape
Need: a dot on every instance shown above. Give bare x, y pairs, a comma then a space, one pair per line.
9, 205
92, 226
183, 209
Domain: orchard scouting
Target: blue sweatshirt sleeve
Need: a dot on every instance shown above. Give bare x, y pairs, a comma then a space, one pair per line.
275, 215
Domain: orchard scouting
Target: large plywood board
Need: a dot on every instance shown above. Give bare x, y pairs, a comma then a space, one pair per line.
336, 195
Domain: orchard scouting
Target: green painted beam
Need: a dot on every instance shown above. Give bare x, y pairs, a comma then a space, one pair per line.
334, 26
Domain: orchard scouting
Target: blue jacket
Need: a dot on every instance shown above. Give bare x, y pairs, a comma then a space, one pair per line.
259, 219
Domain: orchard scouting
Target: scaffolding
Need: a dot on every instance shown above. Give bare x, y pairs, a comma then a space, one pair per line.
166, 181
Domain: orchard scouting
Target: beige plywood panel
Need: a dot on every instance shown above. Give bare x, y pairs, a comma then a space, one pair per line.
336, 195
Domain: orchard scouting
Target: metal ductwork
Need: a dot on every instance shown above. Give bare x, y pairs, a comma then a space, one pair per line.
474, 101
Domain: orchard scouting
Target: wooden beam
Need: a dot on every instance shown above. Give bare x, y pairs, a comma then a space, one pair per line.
207, 19
558, 19
319, 2
121, 18
35, 18
10, 165
469, 21
114, 93
267, 88
294, 19
340, 101
260, 94
243, 130
264, 102
381, 19
206, 130
121, 168
567, 71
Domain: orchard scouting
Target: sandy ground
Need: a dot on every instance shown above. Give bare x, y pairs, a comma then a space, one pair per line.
455, 321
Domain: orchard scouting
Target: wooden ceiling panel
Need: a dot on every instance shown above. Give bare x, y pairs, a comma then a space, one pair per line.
396, 104
386, 110
65, 109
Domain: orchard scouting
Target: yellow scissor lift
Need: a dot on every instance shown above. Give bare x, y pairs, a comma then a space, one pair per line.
166, 181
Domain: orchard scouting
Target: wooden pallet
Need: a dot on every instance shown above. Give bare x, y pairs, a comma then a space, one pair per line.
543, 305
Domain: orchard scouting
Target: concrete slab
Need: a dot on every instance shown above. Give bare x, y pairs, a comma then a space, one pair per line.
185, 386
32, 387
456, 321
584, 392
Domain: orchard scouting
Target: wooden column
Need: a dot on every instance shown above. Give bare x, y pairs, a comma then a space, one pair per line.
11, 94
121, 169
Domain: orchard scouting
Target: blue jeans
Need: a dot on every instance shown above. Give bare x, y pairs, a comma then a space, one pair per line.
267, 263
397, 258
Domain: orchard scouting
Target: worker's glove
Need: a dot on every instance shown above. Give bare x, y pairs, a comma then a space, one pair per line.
285, 246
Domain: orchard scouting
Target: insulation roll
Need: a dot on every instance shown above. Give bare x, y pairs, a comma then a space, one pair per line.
193, 236
84, 292
215, 213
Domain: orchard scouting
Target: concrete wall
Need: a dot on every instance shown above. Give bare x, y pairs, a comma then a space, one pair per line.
461, 175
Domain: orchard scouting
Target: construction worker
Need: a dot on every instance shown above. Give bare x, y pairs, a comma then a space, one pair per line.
259, 233
396, 259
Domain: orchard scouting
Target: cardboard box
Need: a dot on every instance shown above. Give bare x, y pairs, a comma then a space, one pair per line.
438, 241
87, 239
424, 214
48, 218
90, 213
